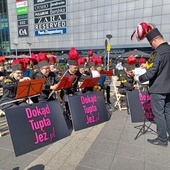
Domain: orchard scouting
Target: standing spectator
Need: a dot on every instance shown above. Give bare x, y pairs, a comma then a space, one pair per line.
118, 68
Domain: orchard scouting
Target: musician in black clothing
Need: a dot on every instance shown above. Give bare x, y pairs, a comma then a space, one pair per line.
73, 70
50, 81
10, 84
127, 81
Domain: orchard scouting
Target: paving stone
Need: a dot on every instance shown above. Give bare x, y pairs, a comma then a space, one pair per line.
123, 163
97, 160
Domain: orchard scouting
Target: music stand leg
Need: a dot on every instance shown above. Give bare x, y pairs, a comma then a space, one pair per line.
144, 128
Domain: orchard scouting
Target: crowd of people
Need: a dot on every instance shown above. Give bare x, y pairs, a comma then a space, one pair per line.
39, 66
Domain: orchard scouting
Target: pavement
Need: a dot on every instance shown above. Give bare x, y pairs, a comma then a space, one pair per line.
107, 146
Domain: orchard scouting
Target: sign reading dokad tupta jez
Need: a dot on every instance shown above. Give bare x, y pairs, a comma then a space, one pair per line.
87, 109
35, 126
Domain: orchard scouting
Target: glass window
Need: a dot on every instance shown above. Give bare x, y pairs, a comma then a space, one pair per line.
4, 30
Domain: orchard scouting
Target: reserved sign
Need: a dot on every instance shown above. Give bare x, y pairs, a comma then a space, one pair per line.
34, 126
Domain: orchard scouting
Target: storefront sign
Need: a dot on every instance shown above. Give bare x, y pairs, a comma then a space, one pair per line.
58, 10
22, 22
23, 31
23, 10
42, 13
50, 18
21, 4
54, 18
24, 16
40, 1
56, 31
50, 25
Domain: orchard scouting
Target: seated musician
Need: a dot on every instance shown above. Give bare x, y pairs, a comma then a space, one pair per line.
139, 71
72, 70
83, 74
92, 72
127, 81
34, 68
9, 85
50, 81
99, 68
52, 64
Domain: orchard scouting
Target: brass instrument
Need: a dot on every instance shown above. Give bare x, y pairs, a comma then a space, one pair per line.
96, 88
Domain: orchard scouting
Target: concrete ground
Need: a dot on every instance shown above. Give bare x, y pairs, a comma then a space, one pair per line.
108, 146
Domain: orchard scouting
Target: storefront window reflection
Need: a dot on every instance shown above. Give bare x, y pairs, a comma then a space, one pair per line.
4, 29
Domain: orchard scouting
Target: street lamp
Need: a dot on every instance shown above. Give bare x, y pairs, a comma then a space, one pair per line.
16, 53
29, 44
108, 36
105, 54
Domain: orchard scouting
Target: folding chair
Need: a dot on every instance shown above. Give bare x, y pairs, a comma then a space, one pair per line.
3, 127
118, 96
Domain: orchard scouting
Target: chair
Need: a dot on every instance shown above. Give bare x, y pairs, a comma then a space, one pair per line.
118, 96
3, 127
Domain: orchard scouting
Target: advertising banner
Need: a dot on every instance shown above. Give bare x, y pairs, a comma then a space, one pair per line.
34, 126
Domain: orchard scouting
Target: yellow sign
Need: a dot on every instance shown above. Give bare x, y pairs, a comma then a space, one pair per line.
108, 46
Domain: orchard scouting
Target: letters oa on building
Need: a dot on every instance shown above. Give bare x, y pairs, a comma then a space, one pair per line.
22, 18
50, 17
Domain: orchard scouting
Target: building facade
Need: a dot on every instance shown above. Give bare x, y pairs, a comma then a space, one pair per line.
58, 25
4, 29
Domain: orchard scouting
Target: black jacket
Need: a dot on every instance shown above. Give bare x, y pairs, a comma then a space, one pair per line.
159, 74
49, 81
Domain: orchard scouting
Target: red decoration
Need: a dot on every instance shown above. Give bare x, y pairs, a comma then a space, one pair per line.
41, 56
2, 59
131, 60
81, 61
73, 54
90, 53
22, 62
142, 60
142, 30
52, 59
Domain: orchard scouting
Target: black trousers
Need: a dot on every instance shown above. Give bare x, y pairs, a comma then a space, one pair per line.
161, 110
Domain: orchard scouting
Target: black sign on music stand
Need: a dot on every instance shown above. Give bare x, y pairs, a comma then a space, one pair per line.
87, 110
34, 126
139, 112
135, 107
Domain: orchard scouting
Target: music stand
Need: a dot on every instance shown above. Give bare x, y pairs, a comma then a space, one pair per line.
27, 89
90, 82
143, 128
107, 73
137, 113
64, 83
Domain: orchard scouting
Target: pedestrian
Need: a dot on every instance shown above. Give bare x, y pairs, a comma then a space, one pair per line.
159, 80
